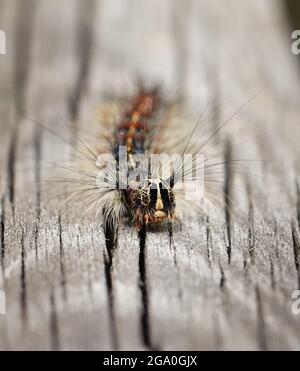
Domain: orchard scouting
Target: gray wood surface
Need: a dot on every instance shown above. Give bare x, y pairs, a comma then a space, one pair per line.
213, 286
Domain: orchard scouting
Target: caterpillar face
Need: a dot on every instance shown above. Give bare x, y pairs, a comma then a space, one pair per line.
152, 203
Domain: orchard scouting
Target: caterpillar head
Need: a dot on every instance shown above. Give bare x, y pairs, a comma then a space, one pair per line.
152, 203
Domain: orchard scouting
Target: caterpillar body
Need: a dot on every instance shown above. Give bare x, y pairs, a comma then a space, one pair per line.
144, 198
143, 175
152, 201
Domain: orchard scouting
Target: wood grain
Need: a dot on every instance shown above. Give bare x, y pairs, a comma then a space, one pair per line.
205, 286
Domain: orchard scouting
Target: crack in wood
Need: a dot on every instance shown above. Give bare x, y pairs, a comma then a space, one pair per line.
208, 242
11, 170
261, 325
277, 239
63, 280
171, 243
36, 237
251, 234
296, 246
272, 272
173, 248
223, 278
145, 327
54, 328
180, 42
111, 241
170, 230
228, 191
245, 263
23, 280
23, 40
38, 149
85, 37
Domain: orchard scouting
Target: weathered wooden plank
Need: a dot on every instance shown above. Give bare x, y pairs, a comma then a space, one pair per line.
218, 283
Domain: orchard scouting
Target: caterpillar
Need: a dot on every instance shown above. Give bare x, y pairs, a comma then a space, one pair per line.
148, 172
138, 182
152, 201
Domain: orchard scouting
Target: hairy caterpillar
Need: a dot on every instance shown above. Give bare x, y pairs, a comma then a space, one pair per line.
148, 171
